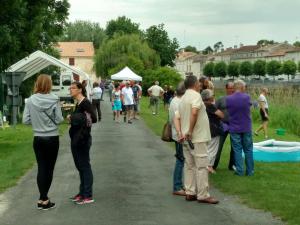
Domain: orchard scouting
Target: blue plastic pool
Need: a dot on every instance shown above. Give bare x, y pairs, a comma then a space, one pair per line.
276, 151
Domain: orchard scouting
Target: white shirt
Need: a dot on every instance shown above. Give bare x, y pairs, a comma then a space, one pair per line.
172, 109
96, 93
263, 99
156, 90
128, 95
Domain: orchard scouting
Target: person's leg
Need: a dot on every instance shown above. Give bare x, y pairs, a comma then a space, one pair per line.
51, 150
248, 151
212, 147
189, 172
265, 128
177, 175
231, 163
125, 113
94, 104
118, 116
76, 157
156, 105
236, 142
201, 161
99, 110
86, 170
220, 148
41, 158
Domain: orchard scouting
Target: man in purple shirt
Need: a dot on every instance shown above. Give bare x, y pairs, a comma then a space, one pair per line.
240, 128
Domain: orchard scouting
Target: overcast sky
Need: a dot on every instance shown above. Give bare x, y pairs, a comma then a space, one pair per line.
202, 22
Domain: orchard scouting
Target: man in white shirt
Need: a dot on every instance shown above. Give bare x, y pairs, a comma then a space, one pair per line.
127, 101
192, 127
155, 92
96, 96
264, 112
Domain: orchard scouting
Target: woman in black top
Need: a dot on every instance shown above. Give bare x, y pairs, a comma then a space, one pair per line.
80, 133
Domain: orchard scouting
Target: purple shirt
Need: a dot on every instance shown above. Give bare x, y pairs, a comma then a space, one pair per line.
238, 107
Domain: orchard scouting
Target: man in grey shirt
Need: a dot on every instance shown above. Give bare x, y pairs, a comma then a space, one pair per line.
221, 105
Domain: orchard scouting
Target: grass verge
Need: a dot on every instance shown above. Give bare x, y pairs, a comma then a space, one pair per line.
275, 187
16, 154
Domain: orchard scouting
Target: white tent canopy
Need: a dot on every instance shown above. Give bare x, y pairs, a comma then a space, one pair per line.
39, 60
126, 74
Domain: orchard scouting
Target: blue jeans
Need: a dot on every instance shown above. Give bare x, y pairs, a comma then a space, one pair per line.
178, 171
242, 142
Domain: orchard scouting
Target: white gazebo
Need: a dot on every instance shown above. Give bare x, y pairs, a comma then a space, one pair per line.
126, 74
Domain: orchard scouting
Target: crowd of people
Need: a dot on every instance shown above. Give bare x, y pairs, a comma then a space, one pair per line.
200, 126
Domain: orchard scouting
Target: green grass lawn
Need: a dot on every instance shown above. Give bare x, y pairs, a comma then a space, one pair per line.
275, 187
16, 154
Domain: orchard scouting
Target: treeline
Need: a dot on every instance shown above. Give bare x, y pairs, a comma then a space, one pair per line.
246, 68
150, 53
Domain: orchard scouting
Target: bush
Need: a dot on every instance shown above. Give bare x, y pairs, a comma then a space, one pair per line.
165, 76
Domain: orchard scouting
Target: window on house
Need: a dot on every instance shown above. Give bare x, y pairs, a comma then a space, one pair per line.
79, 50
71, 61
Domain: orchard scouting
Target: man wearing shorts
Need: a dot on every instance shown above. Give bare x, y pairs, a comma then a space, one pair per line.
127, 100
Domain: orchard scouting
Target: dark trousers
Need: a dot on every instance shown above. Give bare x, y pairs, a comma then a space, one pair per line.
81, 156
46, 150
218, 155
96, 107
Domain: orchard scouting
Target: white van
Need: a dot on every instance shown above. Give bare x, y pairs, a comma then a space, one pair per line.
61, 83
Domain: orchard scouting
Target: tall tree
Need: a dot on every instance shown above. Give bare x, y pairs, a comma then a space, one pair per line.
190, 48
84, 31
122, 25
264, 42
233, 69
246, 69
220, 69
29, 25
219, 45
289, 68
259, 68
158, 39
124, 50
207, 50
297, 44
208, 69
273, 68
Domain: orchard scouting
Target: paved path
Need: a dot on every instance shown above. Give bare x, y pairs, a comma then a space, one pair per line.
132, 186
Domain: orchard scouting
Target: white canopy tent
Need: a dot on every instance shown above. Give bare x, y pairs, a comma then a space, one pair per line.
39, 60
126, 74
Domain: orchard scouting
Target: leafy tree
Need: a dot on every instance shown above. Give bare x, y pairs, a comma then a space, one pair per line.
259, 68
122, 25
158, 39
208, 69
246, 69
218, 46
289, 68
273, 68
233, 69
191, 49
26, 26
297, 44
207, 50
220, 69
124, 50
264, 42
84, 31
299, 66
165, 76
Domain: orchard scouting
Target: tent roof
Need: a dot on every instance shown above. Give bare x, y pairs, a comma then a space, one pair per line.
39, 60
126, 74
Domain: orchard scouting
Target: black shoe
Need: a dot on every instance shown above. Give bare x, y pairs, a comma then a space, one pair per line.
49, 205
39, 206
129, 121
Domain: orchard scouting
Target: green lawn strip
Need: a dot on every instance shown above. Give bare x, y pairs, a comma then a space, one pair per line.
16, 154
275, 187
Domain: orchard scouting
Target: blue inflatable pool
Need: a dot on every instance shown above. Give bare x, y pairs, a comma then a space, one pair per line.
276, 151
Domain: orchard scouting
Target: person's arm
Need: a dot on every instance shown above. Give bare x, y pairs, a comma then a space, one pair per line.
177, 125
149, 91
26, 115
89, 109
219, 114
58, 114
193, 120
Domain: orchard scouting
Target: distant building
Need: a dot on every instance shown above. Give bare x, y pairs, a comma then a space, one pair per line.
78, 54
